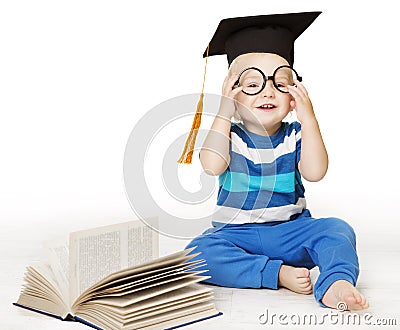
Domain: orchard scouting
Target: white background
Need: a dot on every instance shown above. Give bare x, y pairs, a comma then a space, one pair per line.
75, 77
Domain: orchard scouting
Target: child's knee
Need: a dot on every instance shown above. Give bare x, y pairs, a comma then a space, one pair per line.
195, 243
339, 226
202, 244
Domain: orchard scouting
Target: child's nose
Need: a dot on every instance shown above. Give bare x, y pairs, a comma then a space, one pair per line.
268, 90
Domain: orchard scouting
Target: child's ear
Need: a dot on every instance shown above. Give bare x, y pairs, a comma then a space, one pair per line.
292, 105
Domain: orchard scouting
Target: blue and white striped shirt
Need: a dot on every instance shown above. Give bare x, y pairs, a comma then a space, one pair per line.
262, 182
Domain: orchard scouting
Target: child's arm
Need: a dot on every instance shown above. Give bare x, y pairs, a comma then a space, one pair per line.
313, 162
214, 154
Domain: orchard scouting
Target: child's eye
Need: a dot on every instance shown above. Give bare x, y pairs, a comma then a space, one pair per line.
282, 81
253, 85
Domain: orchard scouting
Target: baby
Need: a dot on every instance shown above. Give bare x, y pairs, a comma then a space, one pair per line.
263, 235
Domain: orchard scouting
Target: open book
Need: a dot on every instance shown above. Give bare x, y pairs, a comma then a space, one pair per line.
108, 278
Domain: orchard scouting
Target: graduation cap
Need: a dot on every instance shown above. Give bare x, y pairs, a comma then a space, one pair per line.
251, 34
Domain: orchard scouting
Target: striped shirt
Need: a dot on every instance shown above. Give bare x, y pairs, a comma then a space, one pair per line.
262, 182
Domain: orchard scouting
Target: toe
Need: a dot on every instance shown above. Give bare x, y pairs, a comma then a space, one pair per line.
303, 273
304, 285
358, 298
308, 289
364, 303
302, 280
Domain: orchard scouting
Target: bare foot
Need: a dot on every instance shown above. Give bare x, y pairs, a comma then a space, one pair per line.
295, 279
341, 292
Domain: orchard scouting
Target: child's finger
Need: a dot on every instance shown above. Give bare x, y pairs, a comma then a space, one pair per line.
298, 93
301, 86
225, 80
295, 92
233, 78
229, 82
236, 91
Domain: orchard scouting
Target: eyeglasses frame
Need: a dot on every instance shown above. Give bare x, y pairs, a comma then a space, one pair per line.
266, 78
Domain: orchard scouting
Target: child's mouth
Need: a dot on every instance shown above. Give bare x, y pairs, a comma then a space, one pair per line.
268, 107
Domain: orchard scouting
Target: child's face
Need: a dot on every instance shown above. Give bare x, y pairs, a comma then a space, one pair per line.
266, 110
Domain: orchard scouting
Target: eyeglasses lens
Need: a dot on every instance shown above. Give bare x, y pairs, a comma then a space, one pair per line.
284, 77
252, 81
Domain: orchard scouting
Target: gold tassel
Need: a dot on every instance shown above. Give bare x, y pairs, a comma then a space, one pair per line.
187, 153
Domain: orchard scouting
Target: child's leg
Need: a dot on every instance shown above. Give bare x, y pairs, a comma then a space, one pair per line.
306, 242
332, 246
234, 259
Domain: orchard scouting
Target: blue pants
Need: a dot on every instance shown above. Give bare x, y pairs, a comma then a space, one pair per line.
250, 255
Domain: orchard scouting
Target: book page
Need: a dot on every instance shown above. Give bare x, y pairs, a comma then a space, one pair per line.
57, 253
191, 295
41, 291
145, 270
98, 252
138, 301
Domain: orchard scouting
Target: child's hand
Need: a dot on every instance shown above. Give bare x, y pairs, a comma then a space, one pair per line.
301, 102
227, 106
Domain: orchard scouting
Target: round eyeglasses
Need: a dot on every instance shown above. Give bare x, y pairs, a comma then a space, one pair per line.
254, 80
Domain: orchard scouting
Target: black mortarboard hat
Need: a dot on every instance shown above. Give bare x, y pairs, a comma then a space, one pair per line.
251, 34
260, 34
